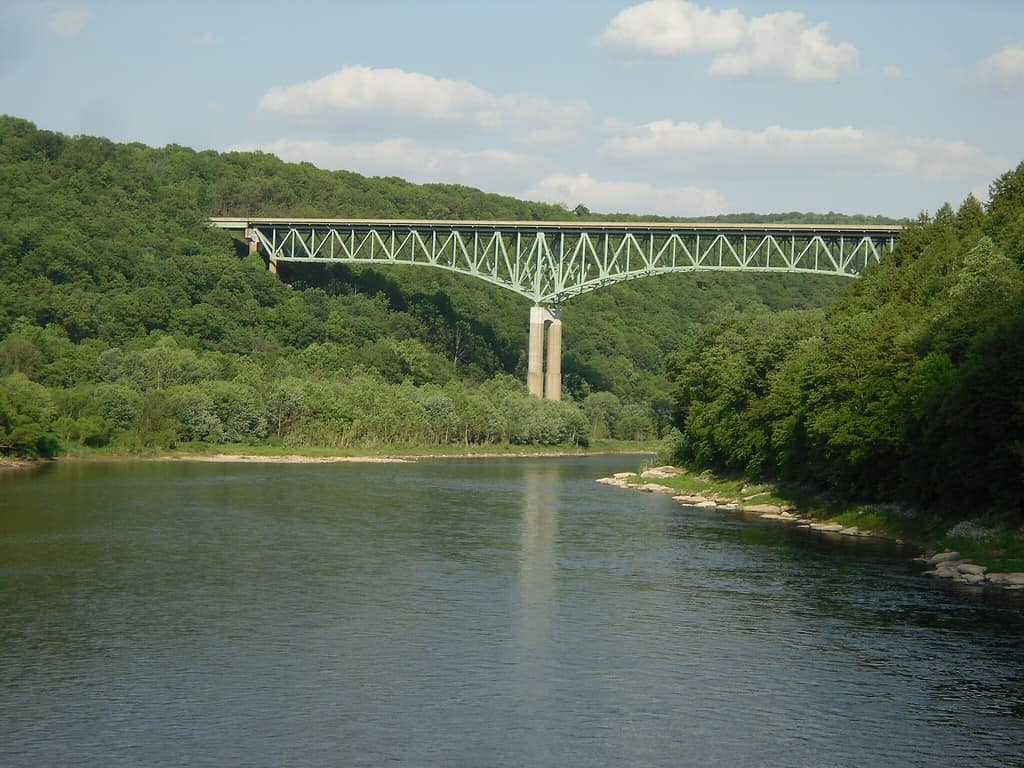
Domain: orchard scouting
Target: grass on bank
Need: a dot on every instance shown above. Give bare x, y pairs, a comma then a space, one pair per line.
998, 548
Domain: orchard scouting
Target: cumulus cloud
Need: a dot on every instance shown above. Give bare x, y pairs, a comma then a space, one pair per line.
395, 93
406, 158
774, 44
626, 196
70, 22
688, 144
1004, 68
383, 91
207, 40
893, 72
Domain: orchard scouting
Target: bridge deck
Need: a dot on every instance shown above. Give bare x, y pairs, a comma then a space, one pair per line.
850, 230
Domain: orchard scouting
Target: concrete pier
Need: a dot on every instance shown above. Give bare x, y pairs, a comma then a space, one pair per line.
553, 378
535, 359
539, 384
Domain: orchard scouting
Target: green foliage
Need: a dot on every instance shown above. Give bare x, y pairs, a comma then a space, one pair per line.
26, 418
909, 387
1005, 220
146, 327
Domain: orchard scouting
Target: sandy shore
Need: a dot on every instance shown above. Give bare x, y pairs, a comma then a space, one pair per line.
226, 458
7, 465
252, 458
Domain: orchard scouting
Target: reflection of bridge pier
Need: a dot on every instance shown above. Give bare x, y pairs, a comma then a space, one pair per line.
547, 385
536, 598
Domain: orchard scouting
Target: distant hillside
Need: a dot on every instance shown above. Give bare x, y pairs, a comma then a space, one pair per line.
115, 294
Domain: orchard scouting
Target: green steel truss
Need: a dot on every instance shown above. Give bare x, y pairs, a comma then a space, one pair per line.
550, 262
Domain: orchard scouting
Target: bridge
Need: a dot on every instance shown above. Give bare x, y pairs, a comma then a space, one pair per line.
550, 262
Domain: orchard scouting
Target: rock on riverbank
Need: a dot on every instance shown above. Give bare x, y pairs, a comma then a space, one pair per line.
949, 565
944, 565
784, 514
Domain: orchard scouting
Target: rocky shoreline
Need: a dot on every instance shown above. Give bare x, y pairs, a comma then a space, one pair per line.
944, 565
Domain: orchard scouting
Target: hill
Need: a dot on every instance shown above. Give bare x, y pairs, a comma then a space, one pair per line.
125, 319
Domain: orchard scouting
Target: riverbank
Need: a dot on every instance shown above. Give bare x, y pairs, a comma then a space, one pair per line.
15, 465
274, 454
967, 553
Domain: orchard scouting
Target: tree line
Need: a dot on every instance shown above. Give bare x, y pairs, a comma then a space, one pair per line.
127, 321
909, 387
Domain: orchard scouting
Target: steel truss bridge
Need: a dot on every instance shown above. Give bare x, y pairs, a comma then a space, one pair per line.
550, 262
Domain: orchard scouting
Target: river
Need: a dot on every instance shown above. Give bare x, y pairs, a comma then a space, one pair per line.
492, 612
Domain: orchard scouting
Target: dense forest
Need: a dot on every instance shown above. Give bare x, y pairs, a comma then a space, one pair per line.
909, 387
127, 321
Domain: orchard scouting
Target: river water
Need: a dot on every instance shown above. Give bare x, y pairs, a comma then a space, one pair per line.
494, 612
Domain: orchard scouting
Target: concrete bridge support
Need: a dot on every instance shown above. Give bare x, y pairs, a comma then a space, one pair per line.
539, 385
553, 378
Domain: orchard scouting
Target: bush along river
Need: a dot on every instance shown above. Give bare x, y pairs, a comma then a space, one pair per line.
471, 612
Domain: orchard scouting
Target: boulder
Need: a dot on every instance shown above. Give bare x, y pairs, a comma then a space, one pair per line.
1006, 579
661, 472
827, 527
853, 530
654, 488
772, 508
689, 499
942, 557
706, 504
623, 475
970, 578
972, 569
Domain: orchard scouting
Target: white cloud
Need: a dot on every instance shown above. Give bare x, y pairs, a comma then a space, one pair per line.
674, 28
1005, 68
776, 43
69, 22
406, 158
892, 72
383, 91
207, 40
396, 93
626, 196
689, 144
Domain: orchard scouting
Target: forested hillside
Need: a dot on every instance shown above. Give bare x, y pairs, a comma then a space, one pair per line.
125, 320
909, 387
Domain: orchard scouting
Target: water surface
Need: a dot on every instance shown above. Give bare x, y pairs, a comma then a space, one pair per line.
496, 612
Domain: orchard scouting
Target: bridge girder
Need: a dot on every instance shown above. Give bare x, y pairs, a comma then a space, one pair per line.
550, 263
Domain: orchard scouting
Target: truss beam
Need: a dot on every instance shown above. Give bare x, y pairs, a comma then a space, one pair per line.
550, 263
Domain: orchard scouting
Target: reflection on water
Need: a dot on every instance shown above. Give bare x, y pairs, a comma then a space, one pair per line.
466, 613
537, 597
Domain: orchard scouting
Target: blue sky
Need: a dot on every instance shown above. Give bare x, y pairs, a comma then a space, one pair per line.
663, 106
